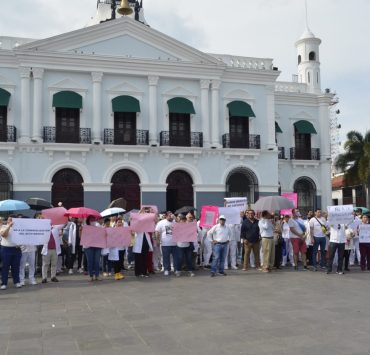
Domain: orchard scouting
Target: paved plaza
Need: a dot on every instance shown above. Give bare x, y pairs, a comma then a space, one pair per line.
283, 312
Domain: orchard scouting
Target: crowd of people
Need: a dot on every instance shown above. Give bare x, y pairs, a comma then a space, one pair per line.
269, 242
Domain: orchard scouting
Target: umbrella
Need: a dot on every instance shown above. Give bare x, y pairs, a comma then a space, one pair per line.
273, 203
185, 210
38, 204
56, 215
13, 205
82, 212
363, 209
120, 202
112, 211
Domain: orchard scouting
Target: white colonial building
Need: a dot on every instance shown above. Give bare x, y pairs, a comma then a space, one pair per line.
118, 109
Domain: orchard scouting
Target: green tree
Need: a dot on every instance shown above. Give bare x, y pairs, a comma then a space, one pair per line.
355, 161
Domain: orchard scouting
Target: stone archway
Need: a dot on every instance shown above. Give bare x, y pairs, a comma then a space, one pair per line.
242, 182
179, 190
306, 190
6, 184
126, 184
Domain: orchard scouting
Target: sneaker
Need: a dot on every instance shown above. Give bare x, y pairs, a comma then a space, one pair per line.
3, 287
70, 271
80, 270
177, 273
213, 274
245, 269
166, 273
191, 274
305, 268
322, 267
105, 274
54, 279
207, 266
18, 285
33, 282
109, 274
340, 272
44, 281
234, 268
22, 283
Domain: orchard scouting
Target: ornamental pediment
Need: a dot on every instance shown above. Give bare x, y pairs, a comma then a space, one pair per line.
67, 84
179, 91
302, 115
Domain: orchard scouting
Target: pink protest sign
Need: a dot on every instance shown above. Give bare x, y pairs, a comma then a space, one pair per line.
208, 217
291, 196
93, 237
142, 222
184, 232
118, 237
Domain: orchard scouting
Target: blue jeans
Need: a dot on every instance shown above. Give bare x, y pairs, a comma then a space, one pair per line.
166, 255
180, 253
219, 254
319, 241
11, 260
93, 260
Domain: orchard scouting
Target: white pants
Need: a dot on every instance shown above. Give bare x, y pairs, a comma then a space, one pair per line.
231, 254
207, 251
288, 251
27, 257
157, 257
355, 251
50, 259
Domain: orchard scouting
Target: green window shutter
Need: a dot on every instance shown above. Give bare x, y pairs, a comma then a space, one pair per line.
240, 109
125, 103
277, 128
180, 105
305, 127
4, 97
67, 99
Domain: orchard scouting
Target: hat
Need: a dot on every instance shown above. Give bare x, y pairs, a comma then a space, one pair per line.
222, 217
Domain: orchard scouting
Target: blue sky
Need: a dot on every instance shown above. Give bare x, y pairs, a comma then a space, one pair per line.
262, 28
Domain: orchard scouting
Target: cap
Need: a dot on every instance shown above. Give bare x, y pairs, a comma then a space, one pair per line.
222, 217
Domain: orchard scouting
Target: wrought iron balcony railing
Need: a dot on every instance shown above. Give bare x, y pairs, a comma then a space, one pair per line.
252, 141
281, 153
119, 137
194, 139
81, 136
9, 134
305, 154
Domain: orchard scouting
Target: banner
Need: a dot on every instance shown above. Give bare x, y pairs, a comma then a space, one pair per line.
209, 216
142, 222
93, 237
185, 232
118, 237
291, 196
232, 214
364, 233
342, 214
238, 202
28, 231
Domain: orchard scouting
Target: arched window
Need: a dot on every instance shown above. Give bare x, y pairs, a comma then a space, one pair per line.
126, 185
67, 188
299, 59
306, 190
242, 182
179, 190
312, 56
6, 184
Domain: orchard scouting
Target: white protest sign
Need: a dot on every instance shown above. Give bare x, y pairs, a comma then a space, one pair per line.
232, 214
239, 202
342, 214
364, 233
27, 231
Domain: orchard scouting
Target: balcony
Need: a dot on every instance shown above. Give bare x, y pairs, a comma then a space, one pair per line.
83, 136
305, 154
8, 135
281, 153
116, 137
253, 141
195, 139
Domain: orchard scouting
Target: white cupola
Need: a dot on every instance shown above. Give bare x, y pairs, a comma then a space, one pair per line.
309, 60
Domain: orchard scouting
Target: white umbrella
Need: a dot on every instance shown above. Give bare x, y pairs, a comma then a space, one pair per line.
112, 211
273, 203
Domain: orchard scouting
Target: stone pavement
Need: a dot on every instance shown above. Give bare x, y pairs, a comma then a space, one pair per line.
284, 312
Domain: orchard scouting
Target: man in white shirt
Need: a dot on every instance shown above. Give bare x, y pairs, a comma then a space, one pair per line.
318, 227
267, 234
220, 236
163, 231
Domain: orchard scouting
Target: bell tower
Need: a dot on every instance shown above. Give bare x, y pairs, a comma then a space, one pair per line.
308, 58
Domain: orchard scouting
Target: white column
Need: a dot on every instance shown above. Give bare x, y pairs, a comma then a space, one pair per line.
24, 136
153, 108
38, 121
96, 129
270, 102
215, 114
204, 97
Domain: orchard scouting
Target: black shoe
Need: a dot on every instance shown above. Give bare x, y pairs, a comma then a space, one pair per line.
305, 268
329, 272
213, 274
44, 281
54, 279
207, 266
222, 273
346, 269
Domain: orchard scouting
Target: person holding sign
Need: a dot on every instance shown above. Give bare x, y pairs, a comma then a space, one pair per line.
364, 238
319, 231
11, 255
337, 244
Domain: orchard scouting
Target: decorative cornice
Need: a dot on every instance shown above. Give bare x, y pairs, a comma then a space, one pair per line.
24, 72
153, 80
38, 73
97, 77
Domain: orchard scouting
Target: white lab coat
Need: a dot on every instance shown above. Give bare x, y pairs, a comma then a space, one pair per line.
55, 232
138, 243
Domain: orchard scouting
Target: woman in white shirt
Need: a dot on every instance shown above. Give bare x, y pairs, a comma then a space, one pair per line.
337, 243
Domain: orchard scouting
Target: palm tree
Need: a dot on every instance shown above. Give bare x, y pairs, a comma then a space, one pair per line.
355, 161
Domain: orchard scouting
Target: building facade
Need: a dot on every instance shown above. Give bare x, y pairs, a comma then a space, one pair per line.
118, 109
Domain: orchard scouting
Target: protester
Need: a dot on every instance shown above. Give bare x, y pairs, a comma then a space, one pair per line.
278, 241
319, 231
50, 253
356, 255
220, 236
337, 244
184, 250
297, 237
287, 245
250, 235
364, 246
267, 234
28, 257
71, 241
348, 247
93, 255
